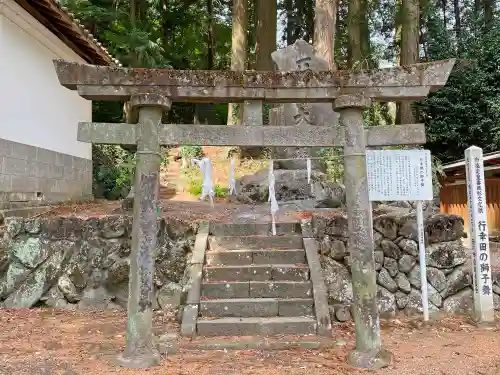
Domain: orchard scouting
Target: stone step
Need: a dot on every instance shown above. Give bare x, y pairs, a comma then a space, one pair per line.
260, 272
247, 257
256, 326
256, 307
257, 289
288, 242
252, 229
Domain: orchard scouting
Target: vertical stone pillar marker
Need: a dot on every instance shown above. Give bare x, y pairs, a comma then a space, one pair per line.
140, 352
478, 227
369, 352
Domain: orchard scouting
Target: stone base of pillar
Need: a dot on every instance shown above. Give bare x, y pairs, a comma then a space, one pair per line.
144, 358
372, 360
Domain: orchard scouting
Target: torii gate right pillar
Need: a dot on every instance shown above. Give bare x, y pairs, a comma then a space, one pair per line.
369, 352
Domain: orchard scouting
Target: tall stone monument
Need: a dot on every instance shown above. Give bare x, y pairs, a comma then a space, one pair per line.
300, 56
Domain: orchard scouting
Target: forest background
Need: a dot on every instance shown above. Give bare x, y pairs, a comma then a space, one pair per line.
355, 34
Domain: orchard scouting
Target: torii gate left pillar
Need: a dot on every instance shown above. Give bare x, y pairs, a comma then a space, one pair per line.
140, 351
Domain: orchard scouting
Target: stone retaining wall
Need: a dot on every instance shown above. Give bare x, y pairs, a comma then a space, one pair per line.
449, 270
73, 263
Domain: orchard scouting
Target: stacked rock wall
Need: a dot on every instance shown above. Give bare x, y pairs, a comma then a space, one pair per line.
449, 269
74, 263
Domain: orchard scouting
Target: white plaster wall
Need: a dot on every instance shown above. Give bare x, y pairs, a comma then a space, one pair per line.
34, 108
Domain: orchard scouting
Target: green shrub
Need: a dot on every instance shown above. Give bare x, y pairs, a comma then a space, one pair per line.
113, 171
195, 188
191, 152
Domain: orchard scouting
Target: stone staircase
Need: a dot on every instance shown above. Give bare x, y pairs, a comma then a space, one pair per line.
256, 284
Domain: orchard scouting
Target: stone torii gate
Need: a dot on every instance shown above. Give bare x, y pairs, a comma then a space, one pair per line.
150, 93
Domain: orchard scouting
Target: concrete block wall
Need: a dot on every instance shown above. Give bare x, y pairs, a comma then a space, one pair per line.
32, 175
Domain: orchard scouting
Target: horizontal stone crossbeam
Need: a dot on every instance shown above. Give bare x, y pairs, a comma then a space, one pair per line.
278, 136
111, 83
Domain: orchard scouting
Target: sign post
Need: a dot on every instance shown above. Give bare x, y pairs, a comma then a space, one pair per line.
476, 197
396, 175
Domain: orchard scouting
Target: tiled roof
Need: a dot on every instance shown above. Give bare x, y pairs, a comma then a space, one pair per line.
69, 29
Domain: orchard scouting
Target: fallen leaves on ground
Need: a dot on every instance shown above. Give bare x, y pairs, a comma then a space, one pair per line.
74, 343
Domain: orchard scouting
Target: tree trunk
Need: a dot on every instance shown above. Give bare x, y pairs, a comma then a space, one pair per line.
133, 20
477, 10
298, 29
200, 110
309, 22
289, 21
210, 35
488, 6
354, 53
238, 48
324, 30
458, 23
409, 49
444, 6
365, 34
266, 34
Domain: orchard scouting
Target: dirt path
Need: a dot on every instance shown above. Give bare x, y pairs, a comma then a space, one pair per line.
46, 342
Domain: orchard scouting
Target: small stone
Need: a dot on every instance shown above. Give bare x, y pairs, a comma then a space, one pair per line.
387, 226
14, 225
335, 249
386, 302
342, 313
408, 227
379, 259
384, 279
414, 305
401, 300
409, 246
30, 251
377, 239
459, 279
43, 277
168, 343
406, 263
113, 226
462, 302
94, 299
391, 265
68, 289
414, 277
445, 254
338, 281
338, 250
403, 283
436, 278
434, 296
169, 296
55, 299
33, 226
444, 228
496, 289
390, 249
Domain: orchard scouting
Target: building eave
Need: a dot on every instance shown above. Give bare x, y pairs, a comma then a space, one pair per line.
69, 29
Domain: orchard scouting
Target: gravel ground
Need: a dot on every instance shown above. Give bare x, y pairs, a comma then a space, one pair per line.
46, 342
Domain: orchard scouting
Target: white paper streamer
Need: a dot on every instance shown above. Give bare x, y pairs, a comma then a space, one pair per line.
232, 181
208, 186
309, 168
272, 196
308, 171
